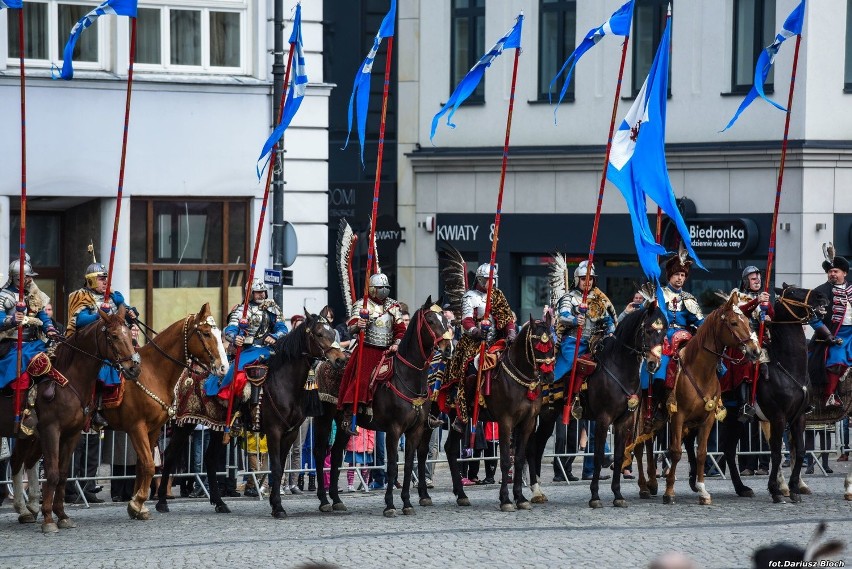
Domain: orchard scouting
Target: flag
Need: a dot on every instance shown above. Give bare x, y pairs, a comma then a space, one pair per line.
117, 7
792, 27
11, 4
617, 25
637, 163
296, 94
361, 89
469, 82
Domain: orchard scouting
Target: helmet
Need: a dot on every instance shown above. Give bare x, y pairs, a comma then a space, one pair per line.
749, 270
257, 285
379, 287
15, 270
581, 271
482, 274
93, 271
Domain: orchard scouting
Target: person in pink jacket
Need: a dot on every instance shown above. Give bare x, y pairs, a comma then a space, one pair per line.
359, 452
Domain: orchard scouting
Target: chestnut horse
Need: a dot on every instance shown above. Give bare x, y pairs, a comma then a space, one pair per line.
697, 394
64, 411
514, 404
193, 343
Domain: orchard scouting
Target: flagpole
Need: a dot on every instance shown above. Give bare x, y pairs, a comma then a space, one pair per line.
371, 250
570, 387
21, 306
771, 255
243, 324
488, 294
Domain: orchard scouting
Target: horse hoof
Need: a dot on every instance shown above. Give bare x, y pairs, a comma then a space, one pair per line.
795, 498
668, 499
653, 491
777, 498
339, 507
222, 508
705, 500
693, 486
325, 507
27, 518
785, 493
162, 507
804, 490
595, 504
49, 528
539, 499
507, 507
525, 505
279, 515
144, 515
848, 496
425, 501
66, 523
620, 503
463, 501
389, 513
644, 494
409, 511
746, 492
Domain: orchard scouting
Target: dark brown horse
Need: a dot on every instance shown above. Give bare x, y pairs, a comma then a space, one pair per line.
64, 411
282, 410
514, 403
697, 394
194, 342
400, 406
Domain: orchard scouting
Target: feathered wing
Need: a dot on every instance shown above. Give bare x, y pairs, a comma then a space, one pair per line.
683, 254
454, 273
558, 277
346, 240
648, 292
828, 252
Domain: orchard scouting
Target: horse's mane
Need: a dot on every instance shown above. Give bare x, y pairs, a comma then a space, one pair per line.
294, 344
65, 354
625, 331
410, 334
695, 345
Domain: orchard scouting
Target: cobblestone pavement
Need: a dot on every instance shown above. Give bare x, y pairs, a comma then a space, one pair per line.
564, 532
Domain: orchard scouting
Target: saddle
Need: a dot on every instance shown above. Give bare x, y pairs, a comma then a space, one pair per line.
113, 395
256, 372
672, 349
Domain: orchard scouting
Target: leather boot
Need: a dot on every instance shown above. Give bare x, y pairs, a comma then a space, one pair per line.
433, 422
747, 412
312, 483
661, 395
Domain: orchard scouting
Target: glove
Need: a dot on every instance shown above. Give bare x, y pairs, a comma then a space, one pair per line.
475, 333
512, 334
836, 341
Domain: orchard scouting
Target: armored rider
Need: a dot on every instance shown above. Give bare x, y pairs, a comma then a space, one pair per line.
835, 328
260, 330
383, 330
682, 313
83, 306
598, 319
477, 326
756, 302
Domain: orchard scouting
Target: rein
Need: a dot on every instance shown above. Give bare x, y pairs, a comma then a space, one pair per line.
790, 304
418, 397
189, 359
722, 355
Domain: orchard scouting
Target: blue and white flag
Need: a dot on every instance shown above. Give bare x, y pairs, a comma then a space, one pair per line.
792, 27
297, 91
618, 25
117, 7
637, 163
11, 4
469, 82
361, 89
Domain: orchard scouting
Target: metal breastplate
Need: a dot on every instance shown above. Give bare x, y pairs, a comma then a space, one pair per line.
99, 300
258, 324
8, 302
570, 302
473, 305
379, 330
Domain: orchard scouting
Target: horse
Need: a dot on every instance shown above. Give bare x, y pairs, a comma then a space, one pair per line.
64, 411
697, 396
282, 405
191, 342
613, 393
513, 403
782, 395
400, 406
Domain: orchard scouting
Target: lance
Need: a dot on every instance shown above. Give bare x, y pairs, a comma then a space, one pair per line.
371, 248
771, 256
570, 387
243, 324
21, 306
490, 288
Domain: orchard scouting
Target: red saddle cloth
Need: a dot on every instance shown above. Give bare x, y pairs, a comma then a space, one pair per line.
370, 358
737, 373
672, 348
236, 386
586, 366
113, 395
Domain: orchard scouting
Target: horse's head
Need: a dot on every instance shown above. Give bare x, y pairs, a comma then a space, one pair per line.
203, 342
735, 330
540, 338
799, 304
322, 339
432, 322
116, 343
653, 334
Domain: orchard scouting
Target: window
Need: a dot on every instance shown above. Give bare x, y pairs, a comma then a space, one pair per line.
48, 26
556, 40
847, 75
754, 29
467, 43
44, 247
187, 252
649, 23
183, 38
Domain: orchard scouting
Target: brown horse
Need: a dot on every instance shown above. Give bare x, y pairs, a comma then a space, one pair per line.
191, 343
697, 394
514, 403
64, 411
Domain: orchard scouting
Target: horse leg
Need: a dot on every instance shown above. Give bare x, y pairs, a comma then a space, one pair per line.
392, 445
620, 438
797, 440
523, 433
675, 443
704, 497
322, 430
452, 448
66, 451
337, 449
601, 426
689, 444
506, 504
775, 476
141, 440
538, 442
652, 467
422, 457
273, 445
211, 455
642, 481
176, 446
728, 438
411, 437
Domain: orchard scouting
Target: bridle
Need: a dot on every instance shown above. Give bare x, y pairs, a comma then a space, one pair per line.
740, 341
115, 362
190, 362
791, 304
315, 343
425, 354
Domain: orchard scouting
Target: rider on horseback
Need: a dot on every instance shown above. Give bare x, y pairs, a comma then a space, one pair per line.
682, 312
757, 302
476, 326
83, 306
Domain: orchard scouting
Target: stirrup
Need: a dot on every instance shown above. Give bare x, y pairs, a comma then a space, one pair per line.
833, 401
433, 422
459, 425
99, 422
746, 414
